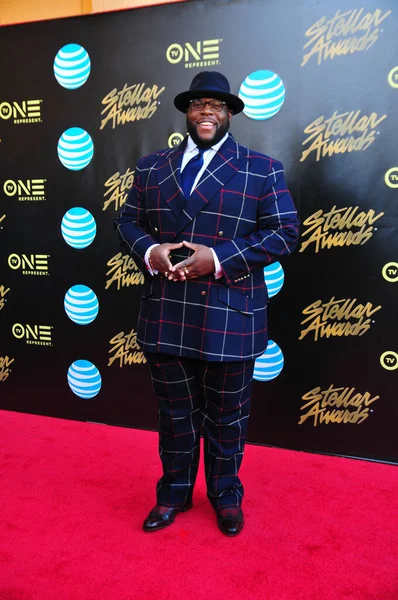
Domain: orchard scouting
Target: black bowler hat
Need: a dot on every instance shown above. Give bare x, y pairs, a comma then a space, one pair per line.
209, 84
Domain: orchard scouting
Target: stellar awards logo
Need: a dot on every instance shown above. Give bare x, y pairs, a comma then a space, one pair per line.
345, 33
132, 103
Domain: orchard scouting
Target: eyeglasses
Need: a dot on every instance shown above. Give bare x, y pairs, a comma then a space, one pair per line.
215, 105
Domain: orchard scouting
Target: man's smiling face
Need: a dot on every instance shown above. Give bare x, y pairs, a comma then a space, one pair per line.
207, 126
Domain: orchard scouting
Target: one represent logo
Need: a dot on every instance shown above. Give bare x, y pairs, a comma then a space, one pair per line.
36, 335
343, 34
5, 363
274, 278
29, 264
117, 189
204, 53
131, 103
123, 272
78, 227
336, 405
125, 350
27, 190
72, 66
263, 93
3, 293
389, 360
341, 133
339, 227
174, 140
390, 272
26, 111
337, 318
81, 304
391, 177
75, 149
84, 379
393, 77
270, 364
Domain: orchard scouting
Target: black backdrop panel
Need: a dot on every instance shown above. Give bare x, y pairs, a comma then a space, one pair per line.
333, 322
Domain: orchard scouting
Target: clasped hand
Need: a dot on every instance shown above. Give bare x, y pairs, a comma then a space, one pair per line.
200, 263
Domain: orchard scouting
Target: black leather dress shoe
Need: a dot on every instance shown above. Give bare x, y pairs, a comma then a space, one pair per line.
230, 521
163, 516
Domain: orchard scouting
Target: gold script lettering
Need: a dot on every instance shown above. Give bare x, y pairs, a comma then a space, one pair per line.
343, 25
354, 133
5, 363
131, 103
118, 272
3, 293
125, 349
117, 189
326, 230
344, 311
347, 406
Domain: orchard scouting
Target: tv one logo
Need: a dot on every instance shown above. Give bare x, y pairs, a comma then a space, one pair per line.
26, 111
203, 53
29, 264
37, 335
29, 189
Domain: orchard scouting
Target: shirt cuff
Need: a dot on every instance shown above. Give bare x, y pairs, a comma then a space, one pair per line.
217, 267
146, 260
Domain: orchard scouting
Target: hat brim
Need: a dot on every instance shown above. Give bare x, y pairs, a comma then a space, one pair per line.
181, 101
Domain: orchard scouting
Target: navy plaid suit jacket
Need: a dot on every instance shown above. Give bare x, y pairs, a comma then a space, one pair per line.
241, 208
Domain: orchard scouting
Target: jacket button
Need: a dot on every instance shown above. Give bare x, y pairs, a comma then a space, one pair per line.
203, 293
220, 233
155, 229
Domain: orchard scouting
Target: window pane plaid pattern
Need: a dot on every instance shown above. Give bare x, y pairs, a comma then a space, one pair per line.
192, 393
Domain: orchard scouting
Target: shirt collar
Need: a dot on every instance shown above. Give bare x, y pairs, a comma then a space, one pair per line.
191, 146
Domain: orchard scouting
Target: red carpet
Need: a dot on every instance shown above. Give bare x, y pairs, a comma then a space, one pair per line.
73, 497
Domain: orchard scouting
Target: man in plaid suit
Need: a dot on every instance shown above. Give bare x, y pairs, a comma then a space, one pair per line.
202, 239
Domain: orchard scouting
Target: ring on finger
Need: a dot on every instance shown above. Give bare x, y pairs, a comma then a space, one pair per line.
166, 273
186, 271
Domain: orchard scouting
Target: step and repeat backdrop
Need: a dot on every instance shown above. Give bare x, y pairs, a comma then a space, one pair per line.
82, 99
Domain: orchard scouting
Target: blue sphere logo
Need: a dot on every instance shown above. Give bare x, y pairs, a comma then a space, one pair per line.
72, 66
263, 93
81, 304
274, 278
84, 379
78, 227
270, 364
75, 149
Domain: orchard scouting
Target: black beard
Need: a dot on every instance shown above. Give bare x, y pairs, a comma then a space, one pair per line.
220, 132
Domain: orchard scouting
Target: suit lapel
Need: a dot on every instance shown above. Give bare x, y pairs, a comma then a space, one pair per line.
224, 165
169, 179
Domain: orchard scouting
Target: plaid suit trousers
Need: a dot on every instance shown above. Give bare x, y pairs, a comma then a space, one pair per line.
215, 395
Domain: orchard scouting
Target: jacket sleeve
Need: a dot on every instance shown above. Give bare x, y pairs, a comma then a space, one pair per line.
276, 236
132, 222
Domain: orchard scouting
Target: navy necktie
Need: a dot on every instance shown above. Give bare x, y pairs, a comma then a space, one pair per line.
190, 172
